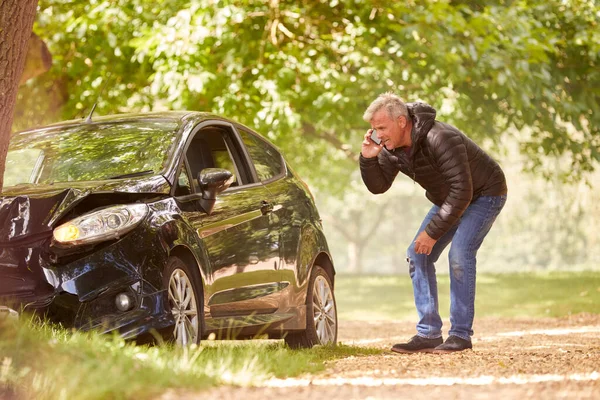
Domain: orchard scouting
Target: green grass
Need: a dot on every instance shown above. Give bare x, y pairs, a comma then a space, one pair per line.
38, 361
543, 294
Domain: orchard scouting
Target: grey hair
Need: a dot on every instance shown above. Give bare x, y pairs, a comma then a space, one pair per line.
388, 101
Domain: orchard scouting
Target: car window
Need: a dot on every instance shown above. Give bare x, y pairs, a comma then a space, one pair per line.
182, 185
223, 160
211, 148
267, 160
23, 166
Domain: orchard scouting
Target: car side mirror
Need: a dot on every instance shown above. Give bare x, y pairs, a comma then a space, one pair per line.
211, 182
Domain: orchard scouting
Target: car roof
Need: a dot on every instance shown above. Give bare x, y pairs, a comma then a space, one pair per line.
175, 116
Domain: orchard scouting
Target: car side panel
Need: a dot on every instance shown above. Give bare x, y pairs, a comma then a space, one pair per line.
302, 236
242, 243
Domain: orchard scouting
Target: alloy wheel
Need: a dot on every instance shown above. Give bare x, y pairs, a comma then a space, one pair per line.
182, 301
324, 311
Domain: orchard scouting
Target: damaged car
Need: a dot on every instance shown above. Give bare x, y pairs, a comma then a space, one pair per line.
178, 224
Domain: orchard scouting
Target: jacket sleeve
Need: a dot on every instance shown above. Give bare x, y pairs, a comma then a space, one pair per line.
376, 179
450, 153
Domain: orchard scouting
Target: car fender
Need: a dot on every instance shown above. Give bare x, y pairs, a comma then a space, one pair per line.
313, 250
175, 235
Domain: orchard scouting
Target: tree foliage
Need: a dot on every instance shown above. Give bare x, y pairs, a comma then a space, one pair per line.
302, 73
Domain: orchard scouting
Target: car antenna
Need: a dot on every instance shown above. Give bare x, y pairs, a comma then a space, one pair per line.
88, 120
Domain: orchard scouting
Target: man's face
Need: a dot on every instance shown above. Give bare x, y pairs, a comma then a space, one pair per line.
391, 132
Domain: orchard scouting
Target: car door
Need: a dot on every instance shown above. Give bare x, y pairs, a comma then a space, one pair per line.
290, 204
241, 235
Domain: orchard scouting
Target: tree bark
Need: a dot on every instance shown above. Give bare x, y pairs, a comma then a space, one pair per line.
16, 23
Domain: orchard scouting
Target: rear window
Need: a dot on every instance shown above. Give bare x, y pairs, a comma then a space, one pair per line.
267, 160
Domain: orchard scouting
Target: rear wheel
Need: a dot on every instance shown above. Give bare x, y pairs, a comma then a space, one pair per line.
185, 301
321, 314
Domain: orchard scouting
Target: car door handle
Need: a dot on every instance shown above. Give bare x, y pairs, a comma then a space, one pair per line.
265, 207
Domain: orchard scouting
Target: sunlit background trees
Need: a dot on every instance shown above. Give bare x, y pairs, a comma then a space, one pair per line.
520, 77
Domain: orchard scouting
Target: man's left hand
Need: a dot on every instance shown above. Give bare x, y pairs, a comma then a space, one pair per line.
424, 243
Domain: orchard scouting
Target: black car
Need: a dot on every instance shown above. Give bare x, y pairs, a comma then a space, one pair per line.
177, 223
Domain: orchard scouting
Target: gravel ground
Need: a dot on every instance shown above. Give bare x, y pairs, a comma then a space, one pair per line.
551, 358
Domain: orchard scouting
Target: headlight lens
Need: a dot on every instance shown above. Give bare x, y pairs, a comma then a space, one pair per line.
98, 226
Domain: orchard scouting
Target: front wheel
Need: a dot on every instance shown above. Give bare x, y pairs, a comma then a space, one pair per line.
321, 314
185, 302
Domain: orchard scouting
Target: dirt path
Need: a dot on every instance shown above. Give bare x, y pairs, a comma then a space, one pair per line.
511, 358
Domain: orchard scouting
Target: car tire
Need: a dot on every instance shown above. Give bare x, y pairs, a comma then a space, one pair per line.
321, 314
185, 301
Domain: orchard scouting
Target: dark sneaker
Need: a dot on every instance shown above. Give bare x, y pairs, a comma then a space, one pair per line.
418, 344
452, 344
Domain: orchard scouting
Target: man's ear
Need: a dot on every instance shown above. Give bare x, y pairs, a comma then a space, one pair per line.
402, 122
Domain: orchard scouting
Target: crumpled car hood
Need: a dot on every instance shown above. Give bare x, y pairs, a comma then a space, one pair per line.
29, 212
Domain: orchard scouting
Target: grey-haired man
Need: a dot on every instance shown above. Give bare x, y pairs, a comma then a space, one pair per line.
468, 190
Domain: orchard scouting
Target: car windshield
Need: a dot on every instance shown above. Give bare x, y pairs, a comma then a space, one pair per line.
89, 152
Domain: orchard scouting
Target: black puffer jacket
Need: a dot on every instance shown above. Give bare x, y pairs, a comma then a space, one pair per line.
447, 164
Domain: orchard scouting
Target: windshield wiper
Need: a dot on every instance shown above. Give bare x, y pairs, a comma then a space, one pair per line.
133, 174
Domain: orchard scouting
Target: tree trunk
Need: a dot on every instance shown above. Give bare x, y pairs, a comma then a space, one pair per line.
356, 241
352, 257
16, 23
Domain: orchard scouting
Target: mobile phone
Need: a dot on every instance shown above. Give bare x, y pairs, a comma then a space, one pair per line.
374, 137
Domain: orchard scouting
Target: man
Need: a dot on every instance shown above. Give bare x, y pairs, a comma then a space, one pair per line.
468, 190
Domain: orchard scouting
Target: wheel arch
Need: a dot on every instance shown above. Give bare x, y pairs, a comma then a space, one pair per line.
312, 250
323, 260
187, 256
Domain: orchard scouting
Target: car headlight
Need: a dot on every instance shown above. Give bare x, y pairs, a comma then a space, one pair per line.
109, 223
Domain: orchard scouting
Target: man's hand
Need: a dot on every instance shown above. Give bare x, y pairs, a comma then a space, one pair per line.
424, 244
369, 148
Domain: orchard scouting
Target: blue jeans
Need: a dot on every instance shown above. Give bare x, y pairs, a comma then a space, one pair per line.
466, 237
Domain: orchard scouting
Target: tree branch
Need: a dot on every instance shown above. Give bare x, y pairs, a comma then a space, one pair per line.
339, 227
380, 212
330, 137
